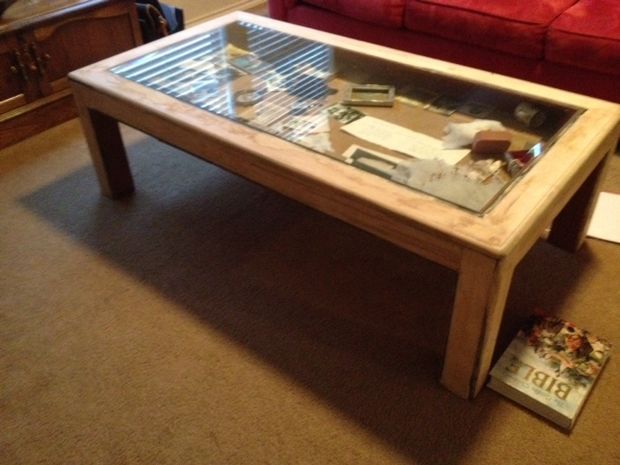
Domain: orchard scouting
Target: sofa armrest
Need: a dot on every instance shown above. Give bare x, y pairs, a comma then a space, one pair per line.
278, 9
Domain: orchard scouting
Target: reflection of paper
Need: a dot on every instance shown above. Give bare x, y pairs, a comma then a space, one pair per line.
451, 157
403, 140
460, 134
319, 142
605, 223
198, 64
234, 51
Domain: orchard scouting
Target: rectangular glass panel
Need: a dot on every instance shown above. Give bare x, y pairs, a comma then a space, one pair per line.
397, 121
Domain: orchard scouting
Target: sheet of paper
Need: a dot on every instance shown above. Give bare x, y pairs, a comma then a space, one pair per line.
605, 223
403, 140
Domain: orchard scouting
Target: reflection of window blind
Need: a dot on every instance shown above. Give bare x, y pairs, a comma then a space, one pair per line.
293, 58
159, 67
187, 70
301, 68
288, 71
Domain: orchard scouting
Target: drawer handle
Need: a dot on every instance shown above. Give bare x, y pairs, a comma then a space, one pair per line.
21, 67
40, 61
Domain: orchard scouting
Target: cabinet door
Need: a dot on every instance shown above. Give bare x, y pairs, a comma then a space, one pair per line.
82, 39
19, 84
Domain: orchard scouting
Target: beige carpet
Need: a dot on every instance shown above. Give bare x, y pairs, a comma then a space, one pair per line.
205, 320
198, 10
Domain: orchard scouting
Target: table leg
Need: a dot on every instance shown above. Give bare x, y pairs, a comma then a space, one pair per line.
570, 227
478, 308
107, 152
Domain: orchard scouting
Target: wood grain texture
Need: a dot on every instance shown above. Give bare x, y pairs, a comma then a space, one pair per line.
40, 43
24, 121
107, 151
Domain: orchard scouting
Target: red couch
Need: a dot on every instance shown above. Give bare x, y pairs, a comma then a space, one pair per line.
569, 44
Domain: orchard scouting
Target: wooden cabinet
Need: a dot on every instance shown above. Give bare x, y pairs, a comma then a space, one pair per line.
40, 42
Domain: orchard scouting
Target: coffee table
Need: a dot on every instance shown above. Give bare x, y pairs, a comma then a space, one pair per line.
263, 99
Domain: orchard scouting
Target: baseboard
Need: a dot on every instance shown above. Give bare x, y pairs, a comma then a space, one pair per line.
240, 5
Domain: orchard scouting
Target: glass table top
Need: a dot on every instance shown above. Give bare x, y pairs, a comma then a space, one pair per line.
459, 141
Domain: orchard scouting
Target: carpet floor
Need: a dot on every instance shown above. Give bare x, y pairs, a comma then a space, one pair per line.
206, 320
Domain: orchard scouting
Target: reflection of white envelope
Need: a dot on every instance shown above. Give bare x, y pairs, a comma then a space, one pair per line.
403, 140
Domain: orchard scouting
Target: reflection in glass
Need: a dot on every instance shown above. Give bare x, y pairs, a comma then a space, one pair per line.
300, 90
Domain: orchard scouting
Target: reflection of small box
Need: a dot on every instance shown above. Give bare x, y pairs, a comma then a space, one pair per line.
491, 142
369, 95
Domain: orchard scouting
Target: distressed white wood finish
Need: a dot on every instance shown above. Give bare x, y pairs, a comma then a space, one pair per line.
484, 250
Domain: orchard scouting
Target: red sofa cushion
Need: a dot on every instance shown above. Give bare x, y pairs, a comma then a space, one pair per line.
587, 36
384, 12
512, 26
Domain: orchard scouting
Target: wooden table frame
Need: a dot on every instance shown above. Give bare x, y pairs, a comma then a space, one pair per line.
559, 191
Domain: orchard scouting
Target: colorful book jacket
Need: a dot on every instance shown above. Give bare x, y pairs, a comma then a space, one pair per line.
550, 367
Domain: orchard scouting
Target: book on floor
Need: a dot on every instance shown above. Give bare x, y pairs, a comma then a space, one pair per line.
550, 367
